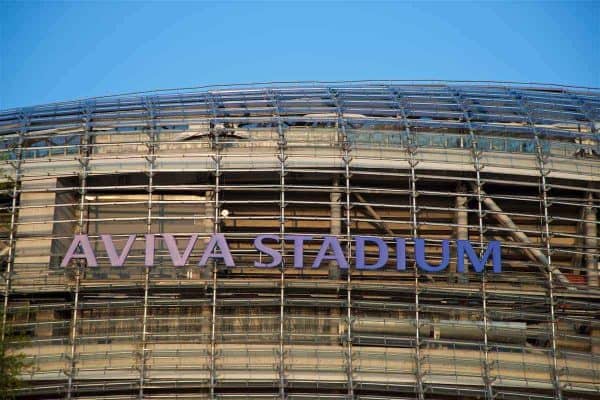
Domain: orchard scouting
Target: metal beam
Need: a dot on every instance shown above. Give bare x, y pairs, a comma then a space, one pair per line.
380, 223
518, 235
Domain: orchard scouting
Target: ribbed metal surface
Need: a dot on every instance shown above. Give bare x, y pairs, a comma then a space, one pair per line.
437, 160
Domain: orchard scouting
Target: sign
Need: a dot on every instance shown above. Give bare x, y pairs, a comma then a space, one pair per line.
217, 249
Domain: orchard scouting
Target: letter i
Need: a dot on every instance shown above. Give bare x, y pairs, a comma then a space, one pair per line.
401, 254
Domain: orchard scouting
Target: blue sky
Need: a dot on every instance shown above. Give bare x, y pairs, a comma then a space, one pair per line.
64, 51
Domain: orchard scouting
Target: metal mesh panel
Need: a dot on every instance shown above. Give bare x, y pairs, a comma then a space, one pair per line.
480, 162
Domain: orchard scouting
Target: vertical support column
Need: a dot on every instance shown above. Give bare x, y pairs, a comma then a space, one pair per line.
412, 149
206, 273
13, 218
461, 220
544, 189
546, 239
208, 226
216, 156
413, 162
346, 159
335, 229
281, 156
590, 241
150, 166
592, 262
84, 158
477, 166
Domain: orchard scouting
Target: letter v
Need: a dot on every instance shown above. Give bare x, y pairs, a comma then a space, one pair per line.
178, 259
117, 260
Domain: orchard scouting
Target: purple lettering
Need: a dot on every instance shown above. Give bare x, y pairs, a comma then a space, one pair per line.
178, 259
117, 260
87, 251
260, 246
401, 254
333, 243
150, 245
464, 246
298, 248
420, 256
217, 241
382, 256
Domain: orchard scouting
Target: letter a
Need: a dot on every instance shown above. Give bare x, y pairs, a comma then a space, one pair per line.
86, 247
217, 241
338, 255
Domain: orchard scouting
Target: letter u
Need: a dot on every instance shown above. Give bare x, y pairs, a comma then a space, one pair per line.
420, 256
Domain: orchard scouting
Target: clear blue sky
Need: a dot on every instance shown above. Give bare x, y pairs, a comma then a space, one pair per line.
65, 51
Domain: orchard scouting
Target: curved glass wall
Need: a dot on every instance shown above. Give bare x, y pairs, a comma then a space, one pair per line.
437, 161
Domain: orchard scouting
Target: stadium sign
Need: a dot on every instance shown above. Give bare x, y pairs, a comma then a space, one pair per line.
218, 249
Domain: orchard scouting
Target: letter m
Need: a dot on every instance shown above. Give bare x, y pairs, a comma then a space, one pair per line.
463, 247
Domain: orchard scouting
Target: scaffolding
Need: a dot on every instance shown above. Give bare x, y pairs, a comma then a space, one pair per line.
431, 160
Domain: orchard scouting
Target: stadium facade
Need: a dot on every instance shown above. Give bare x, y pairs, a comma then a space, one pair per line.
434, 163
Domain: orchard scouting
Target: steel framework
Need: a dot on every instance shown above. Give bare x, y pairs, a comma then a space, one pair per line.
434, 160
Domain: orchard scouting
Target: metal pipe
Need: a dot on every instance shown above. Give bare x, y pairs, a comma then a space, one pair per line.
216, 156
83, 173
590, 242
24, 122
476, 156
412, 149
346, 159
151, 157
542, 157
281, 156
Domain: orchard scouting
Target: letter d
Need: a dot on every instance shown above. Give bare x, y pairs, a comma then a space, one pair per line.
360, 252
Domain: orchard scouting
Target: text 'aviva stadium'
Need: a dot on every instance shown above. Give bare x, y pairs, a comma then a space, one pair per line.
437, 164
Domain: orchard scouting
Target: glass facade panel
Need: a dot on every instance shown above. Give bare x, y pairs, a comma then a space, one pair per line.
433, 162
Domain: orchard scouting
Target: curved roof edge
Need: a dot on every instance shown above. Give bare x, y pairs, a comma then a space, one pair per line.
547, 87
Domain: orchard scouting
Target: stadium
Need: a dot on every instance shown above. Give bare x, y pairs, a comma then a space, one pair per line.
434, 163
